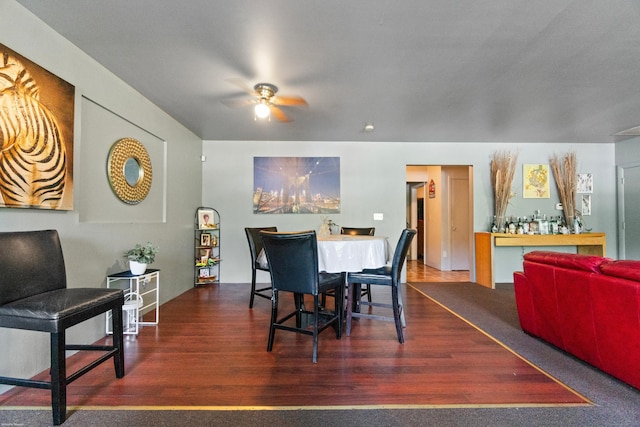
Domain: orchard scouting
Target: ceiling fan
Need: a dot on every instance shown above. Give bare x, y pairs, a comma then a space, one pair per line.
265, 101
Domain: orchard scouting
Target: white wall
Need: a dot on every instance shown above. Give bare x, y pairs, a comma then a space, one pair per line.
93, 248
374, 180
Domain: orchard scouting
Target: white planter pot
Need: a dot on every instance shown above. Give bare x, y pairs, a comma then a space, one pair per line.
137, 268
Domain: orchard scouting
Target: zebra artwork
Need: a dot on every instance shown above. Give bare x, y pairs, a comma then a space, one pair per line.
33, 160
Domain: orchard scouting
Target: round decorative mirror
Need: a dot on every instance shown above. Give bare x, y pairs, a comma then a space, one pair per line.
129, 170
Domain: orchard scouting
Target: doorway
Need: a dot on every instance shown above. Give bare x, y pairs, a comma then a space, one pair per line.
440, 207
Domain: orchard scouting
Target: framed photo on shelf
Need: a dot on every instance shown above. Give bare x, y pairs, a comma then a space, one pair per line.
205, 239
206, 218
205, 254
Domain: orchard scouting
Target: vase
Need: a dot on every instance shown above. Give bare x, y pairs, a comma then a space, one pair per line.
137, 268
501, 223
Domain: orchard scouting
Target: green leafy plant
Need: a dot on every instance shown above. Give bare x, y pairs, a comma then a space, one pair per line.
143, 254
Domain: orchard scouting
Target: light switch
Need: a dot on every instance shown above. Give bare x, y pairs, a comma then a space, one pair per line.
378, 217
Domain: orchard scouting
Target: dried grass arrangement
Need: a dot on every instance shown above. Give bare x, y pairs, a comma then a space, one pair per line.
503, 167
566, 176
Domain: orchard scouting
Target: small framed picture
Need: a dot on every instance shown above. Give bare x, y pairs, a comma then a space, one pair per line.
586, 204
206, 219
585, 183
205, 254
205, 239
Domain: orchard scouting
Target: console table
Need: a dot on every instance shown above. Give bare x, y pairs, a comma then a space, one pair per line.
587, 243
142, 293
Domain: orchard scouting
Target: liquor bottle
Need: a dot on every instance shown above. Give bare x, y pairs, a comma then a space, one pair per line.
512, 226
494, 225
525, 225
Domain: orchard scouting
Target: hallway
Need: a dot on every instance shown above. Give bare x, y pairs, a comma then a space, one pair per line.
418, 272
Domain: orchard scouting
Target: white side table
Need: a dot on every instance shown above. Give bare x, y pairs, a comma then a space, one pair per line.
144, 287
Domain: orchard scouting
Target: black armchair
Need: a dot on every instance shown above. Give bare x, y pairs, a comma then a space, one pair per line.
37, 299
293, 262
255, 247
385, 276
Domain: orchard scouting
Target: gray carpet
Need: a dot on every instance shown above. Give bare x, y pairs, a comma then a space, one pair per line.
616, 404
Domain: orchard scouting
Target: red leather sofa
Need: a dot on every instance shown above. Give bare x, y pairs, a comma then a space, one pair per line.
588, 306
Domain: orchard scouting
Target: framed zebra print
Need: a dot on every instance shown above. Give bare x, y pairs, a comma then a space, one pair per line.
36, 135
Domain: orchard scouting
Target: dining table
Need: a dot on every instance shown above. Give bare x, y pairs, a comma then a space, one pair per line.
341, 253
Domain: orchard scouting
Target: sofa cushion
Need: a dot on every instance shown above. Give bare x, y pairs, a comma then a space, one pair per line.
573, 261
625, 269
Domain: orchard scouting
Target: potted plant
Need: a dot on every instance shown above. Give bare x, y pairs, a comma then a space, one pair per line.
141, 256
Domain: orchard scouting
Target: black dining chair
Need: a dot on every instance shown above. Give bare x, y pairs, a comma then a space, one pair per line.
362, 231
255, 247
384, 276
293, 263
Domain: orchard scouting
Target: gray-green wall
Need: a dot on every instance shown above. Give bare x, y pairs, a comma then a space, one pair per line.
100, 227
373, 177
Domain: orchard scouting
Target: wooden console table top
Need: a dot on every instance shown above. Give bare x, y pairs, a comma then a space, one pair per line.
587, 243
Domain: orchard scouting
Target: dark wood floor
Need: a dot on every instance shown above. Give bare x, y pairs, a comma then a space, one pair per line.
209, 350
418, 272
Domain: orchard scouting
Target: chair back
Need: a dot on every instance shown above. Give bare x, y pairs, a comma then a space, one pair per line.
354, 231
31, 263
400, 254
293, 260
255, 243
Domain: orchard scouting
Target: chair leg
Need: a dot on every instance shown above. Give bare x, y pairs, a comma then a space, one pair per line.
253, 287
396, 314
402, 318
339, 309
274, 319
118, 341
58, 378
368, 292
350, 293
316, 315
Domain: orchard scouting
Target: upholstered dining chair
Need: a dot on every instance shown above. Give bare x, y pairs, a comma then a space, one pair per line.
385, 276
362, 231
293, 263
255, 247
36, 298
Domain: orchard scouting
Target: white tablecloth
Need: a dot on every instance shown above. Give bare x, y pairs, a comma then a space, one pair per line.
343, 253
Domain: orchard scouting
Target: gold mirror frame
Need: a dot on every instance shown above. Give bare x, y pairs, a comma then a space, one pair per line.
122, 151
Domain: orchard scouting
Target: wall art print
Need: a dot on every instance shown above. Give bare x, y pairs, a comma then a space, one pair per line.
535, 181
296, 185
36, 135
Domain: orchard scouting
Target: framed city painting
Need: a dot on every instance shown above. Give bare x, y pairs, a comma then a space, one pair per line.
36, 150
535, 181
296, 185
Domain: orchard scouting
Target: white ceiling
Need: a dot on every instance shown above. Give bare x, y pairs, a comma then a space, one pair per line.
419, 70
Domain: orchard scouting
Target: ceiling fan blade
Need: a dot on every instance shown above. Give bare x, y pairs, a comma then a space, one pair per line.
288, 100
278, 114
236, 81
238, 103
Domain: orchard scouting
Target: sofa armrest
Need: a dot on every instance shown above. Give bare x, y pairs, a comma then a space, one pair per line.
524, 303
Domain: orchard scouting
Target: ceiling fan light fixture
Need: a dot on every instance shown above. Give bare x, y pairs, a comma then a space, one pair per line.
262, 110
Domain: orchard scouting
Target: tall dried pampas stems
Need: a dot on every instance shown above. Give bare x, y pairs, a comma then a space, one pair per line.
564, 172
503, 166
